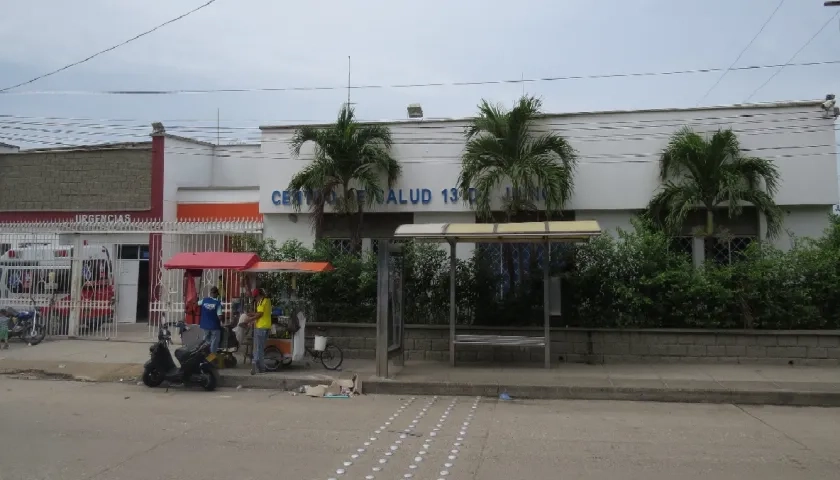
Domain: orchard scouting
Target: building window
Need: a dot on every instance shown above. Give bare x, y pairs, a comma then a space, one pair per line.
683, 245
341, 246
725, 251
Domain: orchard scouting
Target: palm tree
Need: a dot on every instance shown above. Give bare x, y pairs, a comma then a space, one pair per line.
351, 160
504, 146
712, 173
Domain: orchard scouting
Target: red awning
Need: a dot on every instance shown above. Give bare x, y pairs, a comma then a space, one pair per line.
291, 267
211, 261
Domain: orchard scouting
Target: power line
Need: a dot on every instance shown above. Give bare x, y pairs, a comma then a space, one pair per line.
555, 119
742, 52
792, 58
412, 85
453, 134
107, 49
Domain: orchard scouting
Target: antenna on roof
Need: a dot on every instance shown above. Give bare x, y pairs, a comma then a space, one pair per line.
348, 82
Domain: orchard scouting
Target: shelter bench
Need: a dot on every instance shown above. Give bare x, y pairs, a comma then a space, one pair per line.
500, 340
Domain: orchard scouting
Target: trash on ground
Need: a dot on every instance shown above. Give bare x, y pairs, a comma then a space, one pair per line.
337, 389
504, 396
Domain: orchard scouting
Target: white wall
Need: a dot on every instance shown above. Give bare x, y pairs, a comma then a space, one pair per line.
803, 222
186, 164
236, 166
618, 151
280, 227
609, 220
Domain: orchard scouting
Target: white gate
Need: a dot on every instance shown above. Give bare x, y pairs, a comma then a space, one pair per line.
94, 280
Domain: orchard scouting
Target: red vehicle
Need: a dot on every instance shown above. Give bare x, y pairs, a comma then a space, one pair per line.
97, 308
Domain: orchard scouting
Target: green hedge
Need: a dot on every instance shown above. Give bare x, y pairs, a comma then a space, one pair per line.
634, 281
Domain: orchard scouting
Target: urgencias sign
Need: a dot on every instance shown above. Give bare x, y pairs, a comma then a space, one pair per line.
394, 196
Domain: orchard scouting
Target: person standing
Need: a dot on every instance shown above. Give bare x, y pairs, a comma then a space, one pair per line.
211, 319
4, 329
261, 318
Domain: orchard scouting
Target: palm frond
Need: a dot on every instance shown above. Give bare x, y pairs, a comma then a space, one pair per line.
765, 204
306, 134
684, 151
671, 205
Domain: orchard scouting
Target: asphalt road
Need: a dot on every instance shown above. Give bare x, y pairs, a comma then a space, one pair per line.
69, 431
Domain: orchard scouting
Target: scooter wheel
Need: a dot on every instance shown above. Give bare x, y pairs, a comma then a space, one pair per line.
152, 378
230, 361
209, 381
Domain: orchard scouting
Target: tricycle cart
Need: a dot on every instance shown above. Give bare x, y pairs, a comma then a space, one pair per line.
287, 342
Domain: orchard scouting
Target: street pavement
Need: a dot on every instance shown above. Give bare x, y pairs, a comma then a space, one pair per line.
74, 430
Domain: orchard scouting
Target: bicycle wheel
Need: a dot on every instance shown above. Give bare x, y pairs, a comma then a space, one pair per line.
332, 357
273, 359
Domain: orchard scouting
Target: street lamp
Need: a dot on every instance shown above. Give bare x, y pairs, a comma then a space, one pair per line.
833, 3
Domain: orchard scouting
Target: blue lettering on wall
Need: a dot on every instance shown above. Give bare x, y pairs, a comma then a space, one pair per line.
395, 196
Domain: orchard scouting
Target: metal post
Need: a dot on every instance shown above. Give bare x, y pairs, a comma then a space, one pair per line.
382, 280
75, 286
547, 303
453, 307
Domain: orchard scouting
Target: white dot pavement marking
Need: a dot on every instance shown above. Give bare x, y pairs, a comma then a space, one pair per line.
418, 459
457, 445
355, 456
397, 442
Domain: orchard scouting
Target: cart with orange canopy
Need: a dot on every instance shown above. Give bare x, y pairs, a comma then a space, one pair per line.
284, 347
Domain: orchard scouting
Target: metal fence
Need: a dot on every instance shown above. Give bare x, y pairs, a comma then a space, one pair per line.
92, 279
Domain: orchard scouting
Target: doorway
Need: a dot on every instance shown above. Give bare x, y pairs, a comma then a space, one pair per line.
133, 283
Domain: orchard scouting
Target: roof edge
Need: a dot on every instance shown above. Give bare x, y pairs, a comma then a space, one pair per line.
782, 104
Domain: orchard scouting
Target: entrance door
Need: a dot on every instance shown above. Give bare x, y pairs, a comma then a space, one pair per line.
128, 271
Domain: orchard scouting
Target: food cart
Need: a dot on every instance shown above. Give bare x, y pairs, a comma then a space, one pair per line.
285, 345
287, 340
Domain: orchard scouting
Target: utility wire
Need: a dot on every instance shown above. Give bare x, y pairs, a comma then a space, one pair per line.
742, 52
411, 85
107, 49
792, 58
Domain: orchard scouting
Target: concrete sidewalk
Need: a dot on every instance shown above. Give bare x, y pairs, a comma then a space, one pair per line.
716, 383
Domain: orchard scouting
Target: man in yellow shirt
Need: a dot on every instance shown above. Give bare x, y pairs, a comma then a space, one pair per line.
261, 319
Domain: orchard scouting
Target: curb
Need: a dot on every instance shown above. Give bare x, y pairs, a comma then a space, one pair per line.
546, 392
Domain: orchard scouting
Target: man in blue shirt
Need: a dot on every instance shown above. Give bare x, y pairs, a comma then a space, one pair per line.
211, 318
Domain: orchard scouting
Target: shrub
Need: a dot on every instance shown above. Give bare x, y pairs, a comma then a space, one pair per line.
634, 281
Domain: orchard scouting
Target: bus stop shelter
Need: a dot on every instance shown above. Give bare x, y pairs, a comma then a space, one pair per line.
544, 233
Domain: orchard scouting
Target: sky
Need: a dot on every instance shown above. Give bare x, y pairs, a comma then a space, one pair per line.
252, 44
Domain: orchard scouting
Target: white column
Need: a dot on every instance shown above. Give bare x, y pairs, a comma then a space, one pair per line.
75, 286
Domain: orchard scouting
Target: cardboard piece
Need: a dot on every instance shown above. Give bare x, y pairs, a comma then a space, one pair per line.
337, 389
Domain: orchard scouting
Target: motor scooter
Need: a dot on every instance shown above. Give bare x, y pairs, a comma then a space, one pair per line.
24, 325
195, 359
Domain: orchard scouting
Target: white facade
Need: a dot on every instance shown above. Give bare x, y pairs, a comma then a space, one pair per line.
6, 148
201, 172
618, 164
616, 175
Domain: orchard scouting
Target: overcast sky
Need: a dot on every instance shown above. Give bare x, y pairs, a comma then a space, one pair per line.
294, 43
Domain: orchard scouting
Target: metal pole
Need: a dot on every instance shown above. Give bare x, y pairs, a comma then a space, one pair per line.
547, 303
382, 279
452, 305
